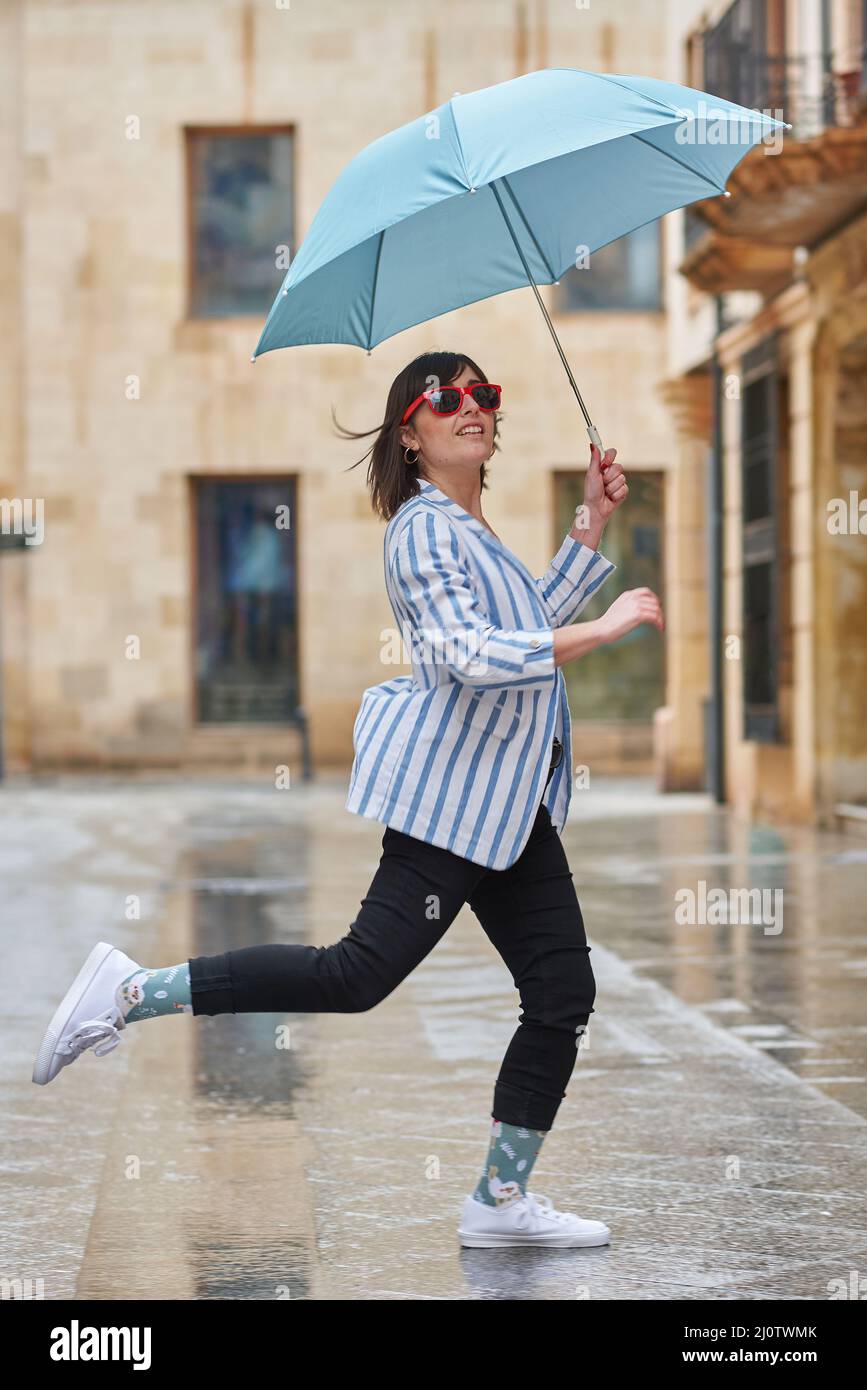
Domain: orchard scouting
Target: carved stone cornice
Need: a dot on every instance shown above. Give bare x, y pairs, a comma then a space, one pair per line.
691, 402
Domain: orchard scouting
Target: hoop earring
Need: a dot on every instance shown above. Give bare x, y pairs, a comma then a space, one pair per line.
406, 453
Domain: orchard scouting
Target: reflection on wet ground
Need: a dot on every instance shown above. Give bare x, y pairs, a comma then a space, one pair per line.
716, 1118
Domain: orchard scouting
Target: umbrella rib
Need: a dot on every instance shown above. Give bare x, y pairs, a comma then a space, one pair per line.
373, 290
530, 232
594, 435
673, 157
634, 91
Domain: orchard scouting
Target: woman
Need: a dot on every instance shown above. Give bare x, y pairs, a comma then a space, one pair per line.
467, 762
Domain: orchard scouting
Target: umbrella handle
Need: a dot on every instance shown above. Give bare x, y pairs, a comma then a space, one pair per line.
595, 439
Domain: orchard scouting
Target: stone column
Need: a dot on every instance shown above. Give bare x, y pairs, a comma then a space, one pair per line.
679, 725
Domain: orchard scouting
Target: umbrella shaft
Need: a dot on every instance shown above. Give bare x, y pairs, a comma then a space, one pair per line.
559, 347
591, 429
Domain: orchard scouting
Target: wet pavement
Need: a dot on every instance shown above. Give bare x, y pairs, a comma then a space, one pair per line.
716, 1119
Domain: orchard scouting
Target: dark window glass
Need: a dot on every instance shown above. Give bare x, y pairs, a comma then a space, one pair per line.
622, 275
247, 631
241, 211
758, 617
760, 428
756, 449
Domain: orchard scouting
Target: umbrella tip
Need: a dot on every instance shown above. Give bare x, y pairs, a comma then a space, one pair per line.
788, 125
726, 193
253, 358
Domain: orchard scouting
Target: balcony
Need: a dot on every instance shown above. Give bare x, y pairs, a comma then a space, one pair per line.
802, 185
718, 263
799, 189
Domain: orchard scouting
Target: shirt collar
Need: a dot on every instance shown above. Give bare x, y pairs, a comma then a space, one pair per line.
435, 494
431, 493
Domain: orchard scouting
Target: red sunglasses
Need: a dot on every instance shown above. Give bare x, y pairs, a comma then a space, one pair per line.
447, 400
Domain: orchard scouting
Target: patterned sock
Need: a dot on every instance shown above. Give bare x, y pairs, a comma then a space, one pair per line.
511, 1156
148, 993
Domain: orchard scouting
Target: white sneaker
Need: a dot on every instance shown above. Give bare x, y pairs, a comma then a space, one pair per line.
527, 1220
89, 1013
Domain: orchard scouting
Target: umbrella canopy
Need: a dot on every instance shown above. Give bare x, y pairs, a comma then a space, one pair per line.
501, 189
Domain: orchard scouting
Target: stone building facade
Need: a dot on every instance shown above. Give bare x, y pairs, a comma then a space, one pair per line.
129, 395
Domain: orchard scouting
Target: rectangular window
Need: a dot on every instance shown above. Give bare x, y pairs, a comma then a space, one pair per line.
241, 216
760, 414
625, 274
246, 590
624, 681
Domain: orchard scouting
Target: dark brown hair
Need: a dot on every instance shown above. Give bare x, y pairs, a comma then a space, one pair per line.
390, 479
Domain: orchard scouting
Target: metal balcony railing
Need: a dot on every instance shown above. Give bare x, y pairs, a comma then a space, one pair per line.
812, 90
805, 90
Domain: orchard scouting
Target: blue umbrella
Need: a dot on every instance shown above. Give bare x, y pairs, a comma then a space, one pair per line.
500, 189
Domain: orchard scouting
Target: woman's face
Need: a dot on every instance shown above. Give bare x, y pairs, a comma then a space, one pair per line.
462, 440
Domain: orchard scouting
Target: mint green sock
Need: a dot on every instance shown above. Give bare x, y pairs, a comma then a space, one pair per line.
511, 1156
149, 993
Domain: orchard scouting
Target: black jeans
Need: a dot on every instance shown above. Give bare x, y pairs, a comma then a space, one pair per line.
529, 911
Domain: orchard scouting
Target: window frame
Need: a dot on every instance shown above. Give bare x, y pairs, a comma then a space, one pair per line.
196, 482
190, 133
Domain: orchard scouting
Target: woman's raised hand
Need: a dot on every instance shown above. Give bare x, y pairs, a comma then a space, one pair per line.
605, 486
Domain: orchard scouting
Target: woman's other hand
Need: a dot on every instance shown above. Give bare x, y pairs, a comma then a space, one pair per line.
630, 610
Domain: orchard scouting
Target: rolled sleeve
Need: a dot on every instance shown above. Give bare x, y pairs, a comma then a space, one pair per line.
447, 620
572, 578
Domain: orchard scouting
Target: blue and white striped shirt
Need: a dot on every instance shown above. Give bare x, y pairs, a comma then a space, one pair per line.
457, 753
